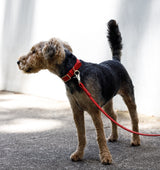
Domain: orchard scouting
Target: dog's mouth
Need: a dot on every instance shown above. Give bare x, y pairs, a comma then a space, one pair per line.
29, 70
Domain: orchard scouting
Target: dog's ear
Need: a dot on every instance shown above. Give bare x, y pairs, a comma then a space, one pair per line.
54, 50
67, 46
49, 50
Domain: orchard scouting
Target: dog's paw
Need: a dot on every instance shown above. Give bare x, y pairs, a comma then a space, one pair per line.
136, 142
76, 156
106, 158
113, 138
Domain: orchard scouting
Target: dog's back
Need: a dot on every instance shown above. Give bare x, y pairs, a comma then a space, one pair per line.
109, 76
103, 81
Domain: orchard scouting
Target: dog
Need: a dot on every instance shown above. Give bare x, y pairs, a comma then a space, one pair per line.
104, 81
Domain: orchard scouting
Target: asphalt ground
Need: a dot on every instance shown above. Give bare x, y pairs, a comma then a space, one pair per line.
39, 133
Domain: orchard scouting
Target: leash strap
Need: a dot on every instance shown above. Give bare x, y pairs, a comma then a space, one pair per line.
92, 99
75, 72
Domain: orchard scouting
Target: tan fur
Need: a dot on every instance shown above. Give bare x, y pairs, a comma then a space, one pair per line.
109, 109
130, 102
35, 60
67, 46
81, 101
50, 55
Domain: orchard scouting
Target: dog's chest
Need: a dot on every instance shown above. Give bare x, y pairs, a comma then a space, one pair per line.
81, 100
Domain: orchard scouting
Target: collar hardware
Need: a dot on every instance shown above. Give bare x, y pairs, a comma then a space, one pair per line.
72, 72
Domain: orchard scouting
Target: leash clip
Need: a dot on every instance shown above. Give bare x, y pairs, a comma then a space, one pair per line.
77, 74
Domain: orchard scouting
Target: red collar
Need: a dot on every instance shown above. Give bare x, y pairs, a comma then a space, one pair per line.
71, 72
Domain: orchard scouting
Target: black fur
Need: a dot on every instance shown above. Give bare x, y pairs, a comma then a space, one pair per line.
103, 81
115, 39
67, 65
109, 76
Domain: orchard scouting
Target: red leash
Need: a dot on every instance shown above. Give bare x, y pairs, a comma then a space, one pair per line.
90, 96
74, 72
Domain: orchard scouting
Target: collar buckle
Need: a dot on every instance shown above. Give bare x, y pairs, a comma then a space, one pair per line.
77, 74
73, 72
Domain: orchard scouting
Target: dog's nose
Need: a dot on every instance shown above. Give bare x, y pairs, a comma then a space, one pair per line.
18, 62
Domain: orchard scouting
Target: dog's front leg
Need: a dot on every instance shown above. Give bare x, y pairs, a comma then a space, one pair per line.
105, 155
78, 115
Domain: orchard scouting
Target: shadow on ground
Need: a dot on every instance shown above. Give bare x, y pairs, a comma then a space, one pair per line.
39, 133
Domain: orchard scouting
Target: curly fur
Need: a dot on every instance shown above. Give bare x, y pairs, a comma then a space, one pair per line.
103, 80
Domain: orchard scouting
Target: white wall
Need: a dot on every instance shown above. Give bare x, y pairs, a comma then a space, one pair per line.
83, 25
1, 23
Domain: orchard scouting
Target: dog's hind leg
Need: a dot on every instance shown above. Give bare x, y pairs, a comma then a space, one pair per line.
105, 155
109, 109
129, 99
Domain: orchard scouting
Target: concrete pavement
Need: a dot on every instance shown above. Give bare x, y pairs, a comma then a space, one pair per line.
39, 133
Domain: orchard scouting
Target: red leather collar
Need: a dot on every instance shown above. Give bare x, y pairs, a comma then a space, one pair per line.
71, 72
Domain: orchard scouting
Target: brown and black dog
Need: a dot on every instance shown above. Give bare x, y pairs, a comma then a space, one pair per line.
103, 80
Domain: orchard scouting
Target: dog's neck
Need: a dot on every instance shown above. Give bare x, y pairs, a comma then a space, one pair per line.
67, 64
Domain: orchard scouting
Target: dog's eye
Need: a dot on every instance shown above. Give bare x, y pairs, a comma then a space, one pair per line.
33, 51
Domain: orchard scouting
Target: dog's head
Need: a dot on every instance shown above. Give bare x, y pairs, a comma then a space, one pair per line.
44, 55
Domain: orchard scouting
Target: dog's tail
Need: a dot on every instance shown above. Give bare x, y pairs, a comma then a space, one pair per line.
115, 40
